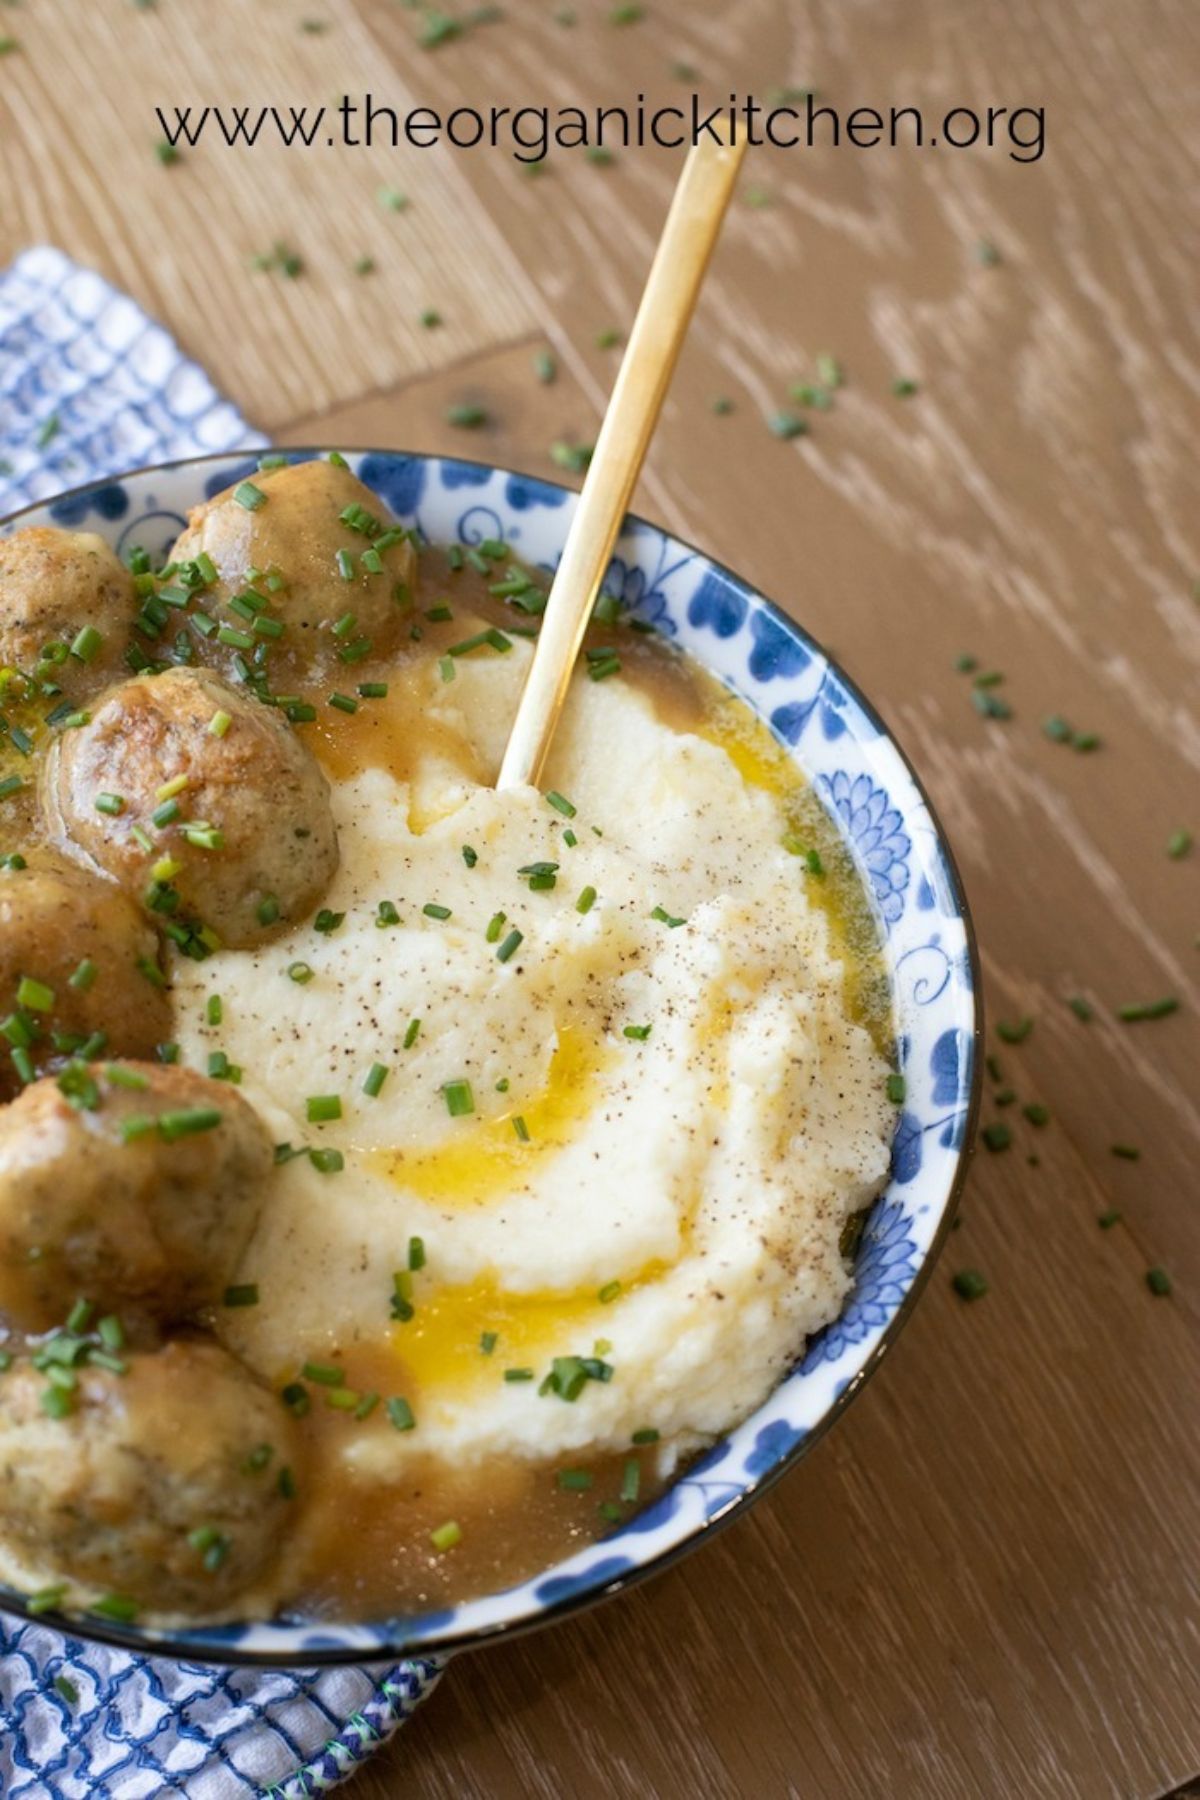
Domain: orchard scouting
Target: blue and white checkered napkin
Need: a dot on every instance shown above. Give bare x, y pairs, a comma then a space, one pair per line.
89, 387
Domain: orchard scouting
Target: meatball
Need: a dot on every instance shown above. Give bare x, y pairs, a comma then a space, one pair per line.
297, 532
161, 1484
134, 1185
202, 803
77, 959
54, 585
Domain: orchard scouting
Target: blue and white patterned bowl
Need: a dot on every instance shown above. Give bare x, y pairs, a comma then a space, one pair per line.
843, 748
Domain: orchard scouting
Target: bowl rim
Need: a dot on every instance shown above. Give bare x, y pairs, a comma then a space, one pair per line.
176, 1648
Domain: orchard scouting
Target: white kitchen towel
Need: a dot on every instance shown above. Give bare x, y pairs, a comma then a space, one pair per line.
91, 387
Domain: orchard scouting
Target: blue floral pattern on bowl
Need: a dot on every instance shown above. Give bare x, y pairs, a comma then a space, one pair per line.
843, 748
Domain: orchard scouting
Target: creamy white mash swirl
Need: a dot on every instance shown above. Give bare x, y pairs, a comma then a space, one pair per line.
708, 1166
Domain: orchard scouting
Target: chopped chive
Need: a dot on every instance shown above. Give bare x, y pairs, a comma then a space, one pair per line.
111, 1332
366, 1406
665, 918
249, 496
897, 1088
469, 856
511, 944
997, 1136
267, 910
214, 1010
327, 922
132, 1080
495, 926
323, 1374
1178, 844
969, 1284
446, 668
561, 804
521, 1129
433, 910
1085, 741
575, 1480
639, 1033
519, 1375
1159, 1282
459, 1099
373, 690
343, 1399
47, 1599
401, 1414
1127, 1152
234, 639
573, 457
321, 1109
647, 1435
488, 1341
386, 914
117, 1607
1106, 1220
1080, 1007
413, 1032
11, 785
631, 1481
1129, 1015
1013, 1032
86, 643
34, 995
327, 1162
1036, 1113
342, 703
79, 1317
188, 1121
608, 1293
219, 724
466, 417
244, 1294
300, 973
446, 1536
586, 900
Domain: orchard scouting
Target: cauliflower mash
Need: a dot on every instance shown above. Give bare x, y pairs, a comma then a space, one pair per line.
621, 1096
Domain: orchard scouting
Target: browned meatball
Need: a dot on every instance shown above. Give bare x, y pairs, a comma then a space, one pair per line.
130, 1184
297, 532
227, 826
160, 1484
53, 586
77, 959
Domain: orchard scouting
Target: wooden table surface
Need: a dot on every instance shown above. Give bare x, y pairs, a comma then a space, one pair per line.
984, 1581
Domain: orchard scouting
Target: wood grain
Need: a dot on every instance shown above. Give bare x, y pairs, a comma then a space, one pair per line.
984, 1582
79, 133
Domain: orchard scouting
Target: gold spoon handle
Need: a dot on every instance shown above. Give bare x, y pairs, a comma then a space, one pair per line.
646, 369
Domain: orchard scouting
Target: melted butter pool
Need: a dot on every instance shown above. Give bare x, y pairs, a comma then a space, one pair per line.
440, 1348
483, 1159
